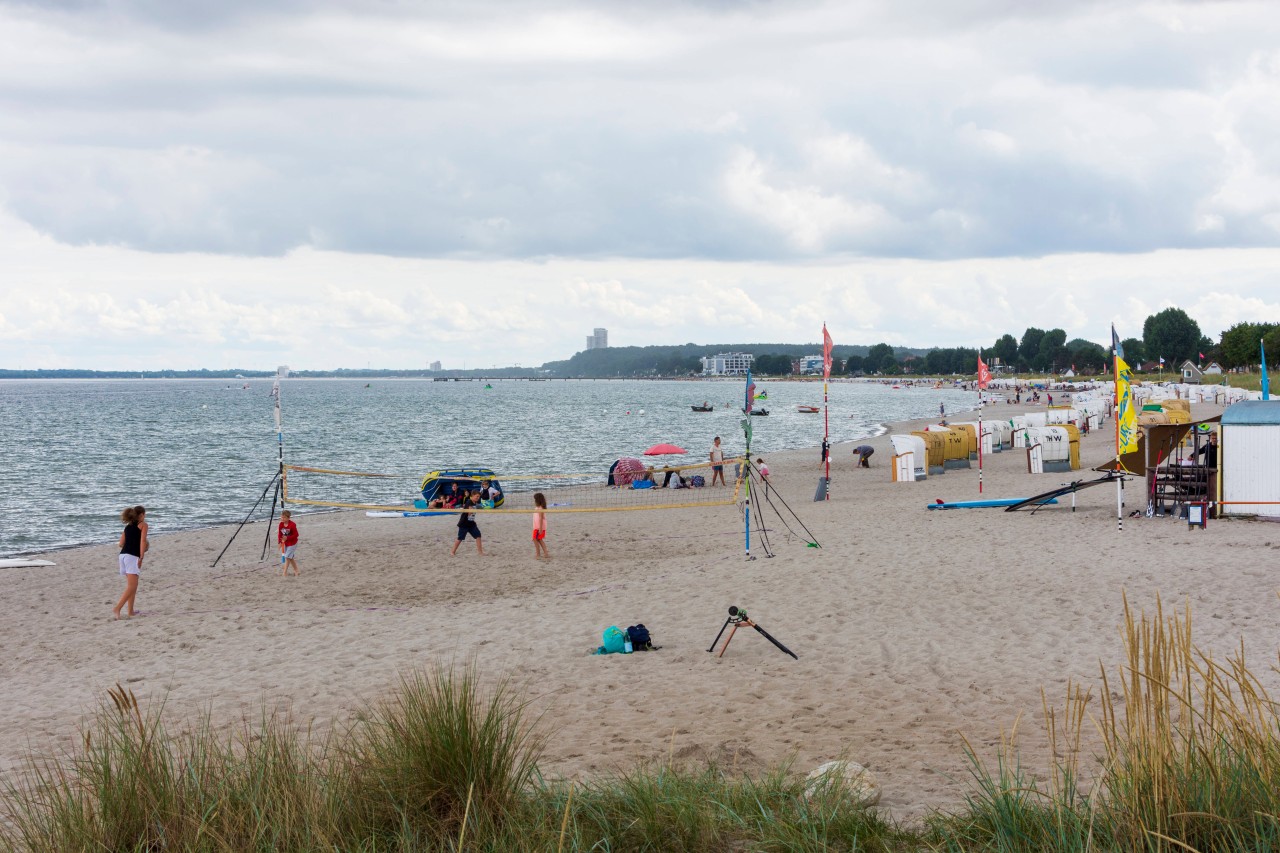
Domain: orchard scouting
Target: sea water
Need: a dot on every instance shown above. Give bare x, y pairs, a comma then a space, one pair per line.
201, 452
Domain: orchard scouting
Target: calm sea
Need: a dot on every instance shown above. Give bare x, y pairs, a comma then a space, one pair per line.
200, 452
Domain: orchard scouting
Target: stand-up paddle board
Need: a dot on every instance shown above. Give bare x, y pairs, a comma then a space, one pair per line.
980, 504
23, 562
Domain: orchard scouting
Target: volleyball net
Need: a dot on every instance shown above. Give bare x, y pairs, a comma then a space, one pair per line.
628, 485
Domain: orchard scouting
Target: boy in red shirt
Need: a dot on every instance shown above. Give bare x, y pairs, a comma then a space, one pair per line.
288, 537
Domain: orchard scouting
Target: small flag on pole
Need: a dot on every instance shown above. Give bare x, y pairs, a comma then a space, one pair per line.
1202, 356
1116, 349
1162, 361
984, 374
1266, 383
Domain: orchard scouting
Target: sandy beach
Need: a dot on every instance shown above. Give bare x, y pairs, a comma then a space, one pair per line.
912, 627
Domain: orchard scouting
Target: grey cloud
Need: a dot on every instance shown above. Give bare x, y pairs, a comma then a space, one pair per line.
993, 128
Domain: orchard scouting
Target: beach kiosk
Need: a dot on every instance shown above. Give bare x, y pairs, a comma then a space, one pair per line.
1250, 459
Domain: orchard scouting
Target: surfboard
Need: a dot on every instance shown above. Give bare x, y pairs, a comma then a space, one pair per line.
980, 504
23, 562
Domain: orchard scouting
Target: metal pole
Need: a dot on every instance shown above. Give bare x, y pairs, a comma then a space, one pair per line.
979, 421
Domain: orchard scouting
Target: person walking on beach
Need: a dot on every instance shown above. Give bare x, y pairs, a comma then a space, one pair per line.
717, 463
942, 410
467, 525
764, 473
287, 536
133, 545
539, 527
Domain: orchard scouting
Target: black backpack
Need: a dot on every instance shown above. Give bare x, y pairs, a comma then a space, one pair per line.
640, 639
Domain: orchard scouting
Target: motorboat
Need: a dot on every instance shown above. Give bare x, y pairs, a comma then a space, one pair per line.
809, 410
759, 412
705, 407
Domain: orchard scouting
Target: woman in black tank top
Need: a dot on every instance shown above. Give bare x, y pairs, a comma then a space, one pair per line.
133, 546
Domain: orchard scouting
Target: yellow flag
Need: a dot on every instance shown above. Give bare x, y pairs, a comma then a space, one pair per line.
1127, 414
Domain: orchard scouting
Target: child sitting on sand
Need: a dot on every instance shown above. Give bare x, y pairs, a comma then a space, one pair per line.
540, 526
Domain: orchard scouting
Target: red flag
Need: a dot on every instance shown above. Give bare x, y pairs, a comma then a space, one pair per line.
984, 375
826, 352
1202, 356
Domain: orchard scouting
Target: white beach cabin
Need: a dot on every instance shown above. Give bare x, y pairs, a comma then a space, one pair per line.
1250, 459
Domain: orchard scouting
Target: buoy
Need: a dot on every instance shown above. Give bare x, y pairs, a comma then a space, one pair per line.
642, 411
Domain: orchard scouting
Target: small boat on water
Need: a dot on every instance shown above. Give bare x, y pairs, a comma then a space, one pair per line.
808, 410
703, 408
759, 412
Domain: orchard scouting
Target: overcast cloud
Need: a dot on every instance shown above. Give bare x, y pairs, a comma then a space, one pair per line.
336, 184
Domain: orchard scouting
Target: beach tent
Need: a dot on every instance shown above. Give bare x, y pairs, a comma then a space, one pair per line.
910, 459
935, 450
1001, 434
438, 484
970, 430
1053, 445
1073, 439
1250, 461
955, 446
1036, 419
1060, 415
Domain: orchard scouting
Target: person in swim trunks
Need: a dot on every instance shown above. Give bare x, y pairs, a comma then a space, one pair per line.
467, 524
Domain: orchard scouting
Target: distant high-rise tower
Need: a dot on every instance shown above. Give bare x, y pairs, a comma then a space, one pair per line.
435, 365
599, 339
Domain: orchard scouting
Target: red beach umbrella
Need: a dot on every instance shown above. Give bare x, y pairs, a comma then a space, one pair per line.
663, 450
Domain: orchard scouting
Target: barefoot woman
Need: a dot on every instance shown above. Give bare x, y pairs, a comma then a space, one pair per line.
133, 544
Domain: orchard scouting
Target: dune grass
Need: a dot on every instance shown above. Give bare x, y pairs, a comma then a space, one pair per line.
1185, 755
1189, 760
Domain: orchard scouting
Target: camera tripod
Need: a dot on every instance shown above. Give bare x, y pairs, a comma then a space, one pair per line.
738, 616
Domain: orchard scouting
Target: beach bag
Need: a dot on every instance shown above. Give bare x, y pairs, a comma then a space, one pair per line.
640, 639
697, 481
614, 638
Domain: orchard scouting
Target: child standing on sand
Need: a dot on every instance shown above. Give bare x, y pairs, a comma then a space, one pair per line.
287, 535
467, 524
540, 526
133, 545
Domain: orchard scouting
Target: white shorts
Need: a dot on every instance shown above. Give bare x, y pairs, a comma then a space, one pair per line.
290, 551
129, 564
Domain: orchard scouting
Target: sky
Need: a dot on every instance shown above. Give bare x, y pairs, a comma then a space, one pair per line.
385, 183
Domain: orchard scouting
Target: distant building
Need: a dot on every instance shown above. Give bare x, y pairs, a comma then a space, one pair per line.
809, 364
598, 339
727, 364
1213, 368
1191, 374
435, 365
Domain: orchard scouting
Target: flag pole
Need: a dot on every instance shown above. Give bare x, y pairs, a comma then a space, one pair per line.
746, 429
1120, 478
979, 421
826, 411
